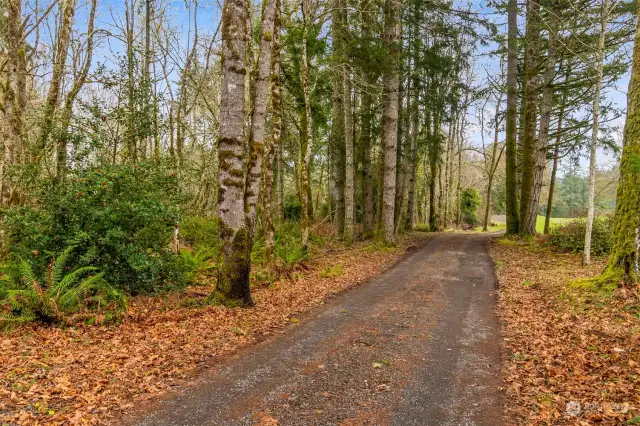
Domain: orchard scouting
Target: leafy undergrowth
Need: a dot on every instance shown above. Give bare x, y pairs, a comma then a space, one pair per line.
572, 351
91, 374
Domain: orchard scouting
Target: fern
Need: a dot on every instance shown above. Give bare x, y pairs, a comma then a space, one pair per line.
24, 299
199, 261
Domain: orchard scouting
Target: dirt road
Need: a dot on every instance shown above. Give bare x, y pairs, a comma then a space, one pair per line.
418, 345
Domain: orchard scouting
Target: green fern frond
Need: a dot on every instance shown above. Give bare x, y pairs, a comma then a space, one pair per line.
69, 280
28, 276
60, 264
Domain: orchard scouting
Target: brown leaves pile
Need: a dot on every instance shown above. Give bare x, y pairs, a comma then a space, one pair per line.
572, 356
90, 375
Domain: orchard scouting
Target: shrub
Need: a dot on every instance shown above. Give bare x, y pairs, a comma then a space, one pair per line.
121, 218
25, 297
421, 227
197, 262
469, 203
288, 250
292, 209
569, 237
200, 231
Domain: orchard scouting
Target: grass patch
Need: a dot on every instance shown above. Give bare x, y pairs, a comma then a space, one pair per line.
332, 271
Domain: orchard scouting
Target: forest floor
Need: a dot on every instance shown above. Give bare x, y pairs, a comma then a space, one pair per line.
417, 345
92, 374
572, 352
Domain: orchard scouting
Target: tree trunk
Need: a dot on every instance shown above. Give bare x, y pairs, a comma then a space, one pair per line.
495, 160
392, 10
264, 67
413, 163
349, 187
131, 133
13, 105
60, 59
337, 143
552, 186
366, 134
529, 143
586, 258
67, 110
625, 250
306, 129
233, 278
511, 183
545, 119
556, 155
280, 172
272, 143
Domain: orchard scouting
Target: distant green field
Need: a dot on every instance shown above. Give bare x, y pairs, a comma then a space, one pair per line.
554, 221
539, 224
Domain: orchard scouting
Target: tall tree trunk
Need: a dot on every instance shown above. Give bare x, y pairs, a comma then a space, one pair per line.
392, 10
529, 142
552, 186
349, 187
306, 128
337, 143
447, 172
233, 281
273, 142
511, 182
556, 156
280, 172
263, 69
495, 160
150, 113
14, 101
460, 144
132, 131
545, 119
604, 14
367, 175
625, 250
366, 134
60, 59
67, 110
413, 163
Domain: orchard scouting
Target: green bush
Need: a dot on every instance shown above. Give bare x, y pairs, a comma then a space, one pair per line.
200, 231
25, 297
569, 237
121, 218
469, 203
292, 209
288, 250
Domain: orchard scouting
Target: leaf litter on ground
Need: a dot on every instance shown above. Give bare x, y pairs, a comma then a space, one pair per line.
572, 352
88, 374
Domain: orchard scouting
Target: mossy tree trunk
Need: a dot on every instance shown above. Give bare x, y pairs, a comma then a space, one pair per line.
623, 261
511, 179
233, 275
272, 142
392, 9
337, 143
529, 140
306, 126
14, 100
